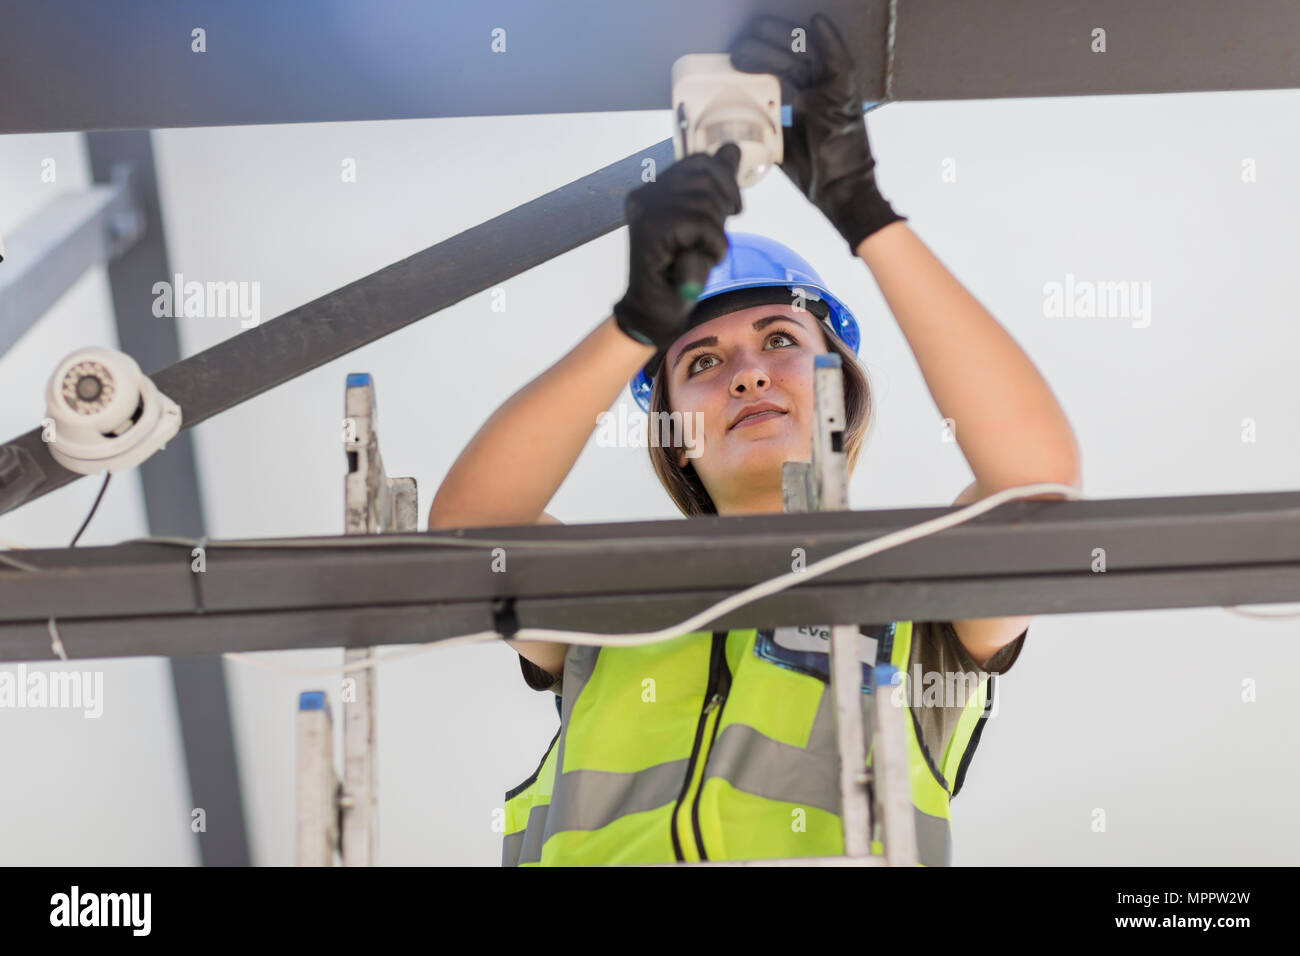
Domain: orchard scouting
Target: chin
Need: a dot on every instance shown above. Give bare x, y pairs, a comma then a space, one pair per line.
763, 455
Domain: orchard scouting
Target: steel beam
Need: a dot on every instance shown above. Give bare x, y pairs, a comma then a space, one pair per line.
170, 483
307, 337
339, 60
1028, 557
139, 65
995, 49
53, 249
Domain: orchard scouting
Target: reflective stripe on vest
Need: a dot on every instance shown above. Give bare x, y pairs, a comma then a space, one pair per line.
642, 771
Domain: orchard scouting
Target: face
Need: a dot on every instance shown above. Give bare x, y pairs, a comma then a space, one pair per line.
762, 354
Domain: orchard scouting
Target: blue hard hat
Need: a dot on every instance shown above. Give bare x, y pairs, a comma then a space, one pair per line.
757, 262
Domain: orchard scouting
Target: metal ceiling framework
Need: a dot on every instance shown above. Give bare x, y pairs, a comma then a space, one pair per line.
275, 351
401, 59
49, 252
170, 484
117, 223
1024, 557
910, 49
84, 64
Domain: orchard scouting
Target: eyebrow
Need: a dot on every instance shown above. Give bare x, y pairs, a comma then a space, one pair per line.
713, 339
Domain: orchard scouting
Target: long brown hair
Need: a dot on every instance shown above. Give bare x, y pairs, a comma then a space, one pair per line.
683, 484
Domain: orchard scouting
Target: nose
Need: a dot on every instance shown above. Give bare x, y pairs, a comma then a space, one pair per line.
749, 380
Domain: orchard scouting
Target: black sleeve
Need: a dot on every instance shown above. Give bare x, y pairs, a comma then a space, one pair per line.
535, 677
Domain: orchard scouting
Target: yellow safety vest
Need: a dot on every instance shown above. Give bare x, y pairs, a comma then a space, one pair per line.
716, 747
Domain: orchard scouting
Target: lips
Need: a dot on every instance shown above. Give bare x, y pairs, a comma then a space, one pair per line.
756, 417
757, 408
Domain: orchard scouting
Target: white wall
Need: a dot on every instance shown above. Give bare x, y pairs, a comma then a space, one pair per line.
1139, 714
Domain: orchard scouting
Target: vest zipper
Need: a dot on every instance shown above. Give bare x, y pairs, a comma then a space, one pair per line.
719, 698
710, 693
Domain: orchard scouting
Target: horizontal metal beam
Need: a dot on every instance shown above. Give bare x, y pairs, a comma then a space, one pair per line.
51, 251
1025, 557
141, 65
337, 60
948, 50
260, 358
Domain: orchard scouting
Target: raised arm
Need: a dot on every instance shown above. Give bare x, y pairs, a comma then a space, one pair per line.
520, 456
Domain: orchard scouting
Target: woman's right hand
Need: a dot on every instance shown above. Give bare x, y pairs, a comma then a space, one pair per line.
684, 209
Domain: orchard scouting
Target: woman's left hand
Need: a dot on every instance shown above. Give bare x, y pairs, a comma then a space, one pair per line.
826, 150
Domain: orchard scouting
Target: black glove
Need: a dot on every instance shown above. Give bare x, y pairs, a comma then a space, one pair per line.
826, 150
684, 209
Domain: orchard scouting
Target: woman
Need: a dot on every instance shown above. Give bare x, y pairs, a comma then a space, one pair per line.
721, 746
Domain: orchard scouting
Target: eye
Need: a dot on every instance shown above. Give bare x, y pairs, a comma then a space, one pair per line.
694, 367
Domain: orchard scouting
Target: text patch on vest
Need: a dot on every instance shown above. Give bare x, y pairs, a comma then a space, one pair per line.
806, 649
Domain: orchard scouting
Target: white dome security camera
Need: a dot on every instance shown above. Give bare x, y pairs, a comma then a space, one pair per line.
715, 104
108, 415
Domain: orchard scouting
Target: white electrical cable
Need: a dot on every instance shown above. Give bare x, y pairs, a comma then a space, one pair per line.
16, 564
1279, 616
750, 594
477, 637
363, 541
56, 642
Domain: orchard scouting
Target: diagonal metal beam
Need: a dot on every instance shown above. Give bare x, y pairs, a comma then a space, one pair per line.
1026, 557
52, 250
307, 337
171, 496
337, 60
